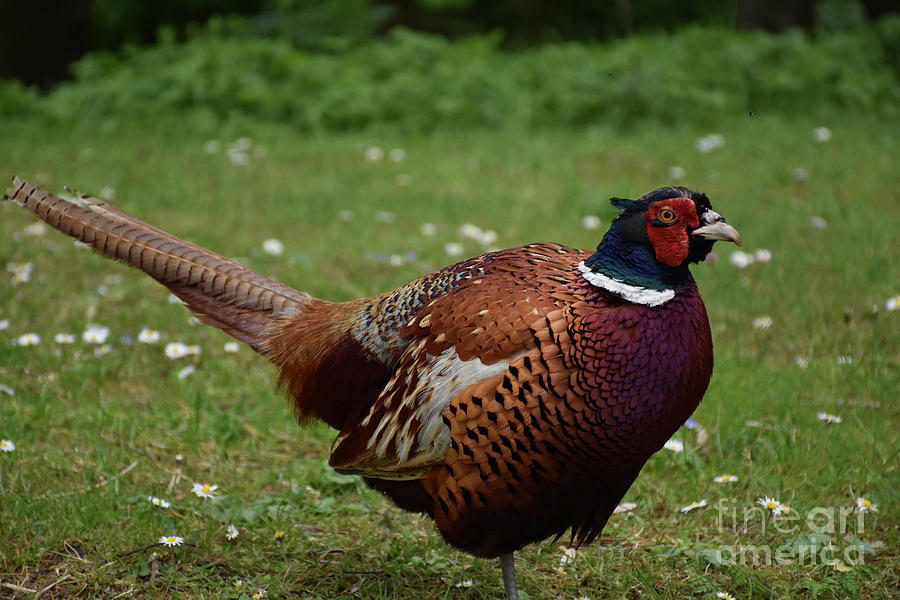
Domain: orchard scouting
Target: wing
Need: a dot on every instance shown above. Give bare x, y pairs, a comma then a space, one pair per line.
461, 345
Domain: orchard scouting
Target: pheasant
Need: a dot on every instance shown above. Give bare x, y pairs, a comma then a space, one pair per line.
511, 397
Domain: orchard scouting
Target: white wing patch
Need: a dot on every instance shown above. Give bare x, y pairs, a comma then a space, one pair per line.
414, 424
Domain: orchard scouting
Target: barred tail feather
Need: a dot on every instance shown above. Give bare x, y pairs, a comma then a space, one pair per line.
222, 292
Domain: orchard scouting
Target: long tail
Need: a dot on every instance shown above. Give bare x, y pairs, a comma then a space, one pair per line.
222, 292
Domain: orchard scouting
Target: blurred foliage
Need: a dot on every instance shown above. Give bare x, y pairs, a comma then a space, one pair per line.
421, 82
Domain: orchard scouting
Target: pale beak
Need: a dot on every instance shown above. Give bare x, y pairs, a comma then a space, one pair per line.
720, 230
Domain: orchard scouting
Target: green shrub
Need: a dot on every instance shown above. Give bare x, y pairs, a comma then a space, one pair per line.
421, 82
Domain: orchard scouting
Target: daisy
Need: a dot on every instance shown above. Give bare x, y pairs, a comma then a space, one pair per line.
21, 271
231, 532
239, 584
107, 193
260, 593
158, 502
148, 336
36, 229
193, 349
465, 584
64, 338
171, 540
273, 247
176, 350
893, 303
5, 389
762, 255
818, 222
828, 417
674, 445
232, 347
4, 324
693, 506
204, 490
676, 172
373, 154
185, 372
725, 596
763, 322
801, 362
772, 504
427, 229
568, 556
95, 334
862, 504
821, 134
741, 259
28, 339
8, 446
725, 478
590, 222
397, 154
453, 248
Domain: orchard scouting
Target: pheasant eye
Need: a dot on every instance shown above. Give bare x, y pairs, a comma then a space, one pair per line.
666, 215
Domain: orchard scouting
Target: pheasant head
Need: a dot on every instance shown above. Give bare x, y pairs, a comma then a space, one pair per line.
644, 256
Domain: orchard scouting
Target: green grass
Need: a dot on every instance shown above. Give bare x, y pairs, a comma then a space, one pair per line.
96, 435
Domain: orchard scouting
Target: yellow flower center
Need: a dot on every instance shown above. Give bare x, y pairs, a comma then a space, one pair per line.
771, 505
205, 489
171, 538
866, 503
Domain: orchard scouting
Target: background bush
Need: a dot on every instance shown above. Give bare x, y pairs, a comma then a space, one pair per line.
421, 82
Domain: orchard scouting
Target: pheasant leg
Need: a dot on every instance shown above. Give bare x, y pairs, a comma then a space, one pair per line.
509, 576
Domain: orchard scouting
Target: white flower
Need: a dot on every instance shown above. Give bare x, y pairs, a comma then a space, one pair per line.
5, 389
828, 417
772, 504
762, 255
148, 336
212, 146
158, 502
27, 339
862, 504
465, 584
193, 349
893, 303
260, 593
204, 490
763, 322
821, 134
95, 334
818, 222
397, 154
383, 216
590, 222
231, 347
801, 362
800, 174
625, 507
725, 478
185, 372
741, 259
36, 229
674, 445
453, 248
4, 324
428, 229
176, 350
273, 247
709, 143
102, 350
231, 532
468, 230
487, 237
693, 506
107, 193
21, 271
7, 446
373, 153
171, 540
568, 556
677, 172
725, 596
64, 338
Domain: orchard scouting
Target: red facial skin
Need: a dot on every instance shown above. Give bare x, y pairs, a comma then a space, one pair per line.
671, 241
